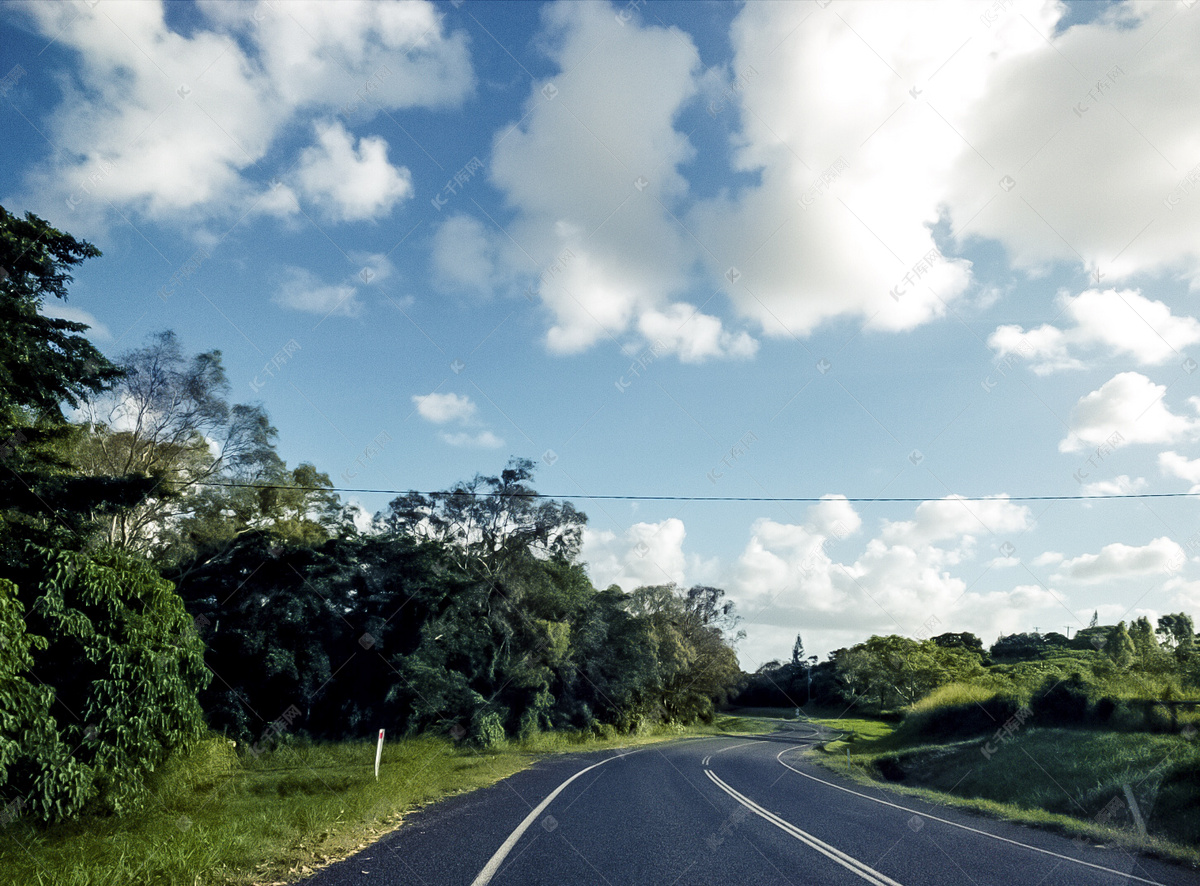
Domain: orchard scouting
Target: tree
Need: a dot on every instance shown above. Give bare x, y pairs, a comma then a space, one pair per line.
1178, 632
1119, 645
798, 652
959, 641
488, 520
113, 651
169, 419
45, 362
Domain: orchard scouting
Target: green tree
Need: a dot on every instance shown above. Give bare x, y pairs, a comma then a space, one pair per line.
120, 657
168, 418
1178, 632
1119, 646
487, 521
45, 363
798, 652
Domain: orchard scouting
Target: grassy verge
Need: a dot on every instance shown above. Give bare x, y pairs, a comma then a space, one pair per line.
1069, 780
217, 818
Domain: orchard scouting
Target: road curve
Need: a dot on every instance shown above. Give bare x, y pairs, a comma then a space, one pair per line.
729, 809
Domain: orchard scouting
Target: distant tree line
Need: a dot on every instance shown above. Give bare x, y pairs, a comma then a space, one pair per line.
166, 573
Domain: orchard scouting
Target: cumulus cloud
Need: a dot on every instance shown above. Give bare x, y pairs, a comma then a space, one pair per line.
1123, 323
1172, 464
444, 408
464, 256
645, 554
1119, 561
458, 409
1126, 409
170, 124
351, 183
953, 517
301, 290
593, 170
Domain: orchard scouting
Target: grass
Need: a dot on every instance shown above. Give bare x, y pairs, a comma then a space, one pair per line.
1069, 780
217, 818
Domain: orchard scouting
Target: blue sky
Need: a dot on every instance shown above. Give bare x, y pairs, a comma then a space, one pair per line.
703, 249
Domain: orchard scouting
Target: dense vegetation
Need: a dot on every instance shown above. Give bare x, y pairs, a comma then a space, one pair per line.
165, 573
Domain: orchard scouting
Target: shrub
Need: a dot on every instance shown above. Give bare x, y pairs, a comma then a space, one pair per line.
487, 729
123, 662
1062, 702
958, 710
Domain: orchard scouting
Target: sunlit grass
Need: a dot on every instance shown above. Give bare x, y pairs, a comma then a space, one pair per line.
217, 817
1069, 780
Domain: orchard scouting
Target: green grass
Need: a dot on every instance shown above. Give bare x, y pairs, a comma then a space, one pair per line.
1063, 779
217, 817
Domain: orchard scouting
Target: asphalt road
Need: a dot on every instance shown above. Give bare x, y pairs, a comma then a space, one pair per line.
724, 810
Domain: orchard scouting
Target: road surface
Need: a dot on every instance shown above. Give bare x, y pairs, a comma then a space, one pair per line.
722, 810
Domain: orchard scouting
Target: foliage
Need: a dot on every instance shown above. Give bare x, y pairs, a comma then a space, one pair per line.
487, 521
45, 363
117, 655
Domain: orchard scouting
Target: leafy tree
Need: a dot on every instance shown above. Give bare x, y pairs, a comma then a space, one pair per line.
45, 363
122, 663
488, 520
1119, 645
1178, 632
959, 641
168, 418
1021, 647
893, 671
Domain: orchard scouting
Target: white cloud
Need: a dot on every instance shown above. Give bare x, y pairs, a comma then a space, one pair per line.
464, 255
60, 310
1098, 147
467, 440
351, 184
1126, 409
851, 167
1124, 323
593, 170
681, 329
953, 517
444, 408
1121, 485
645, 554
171, 125
1175, 465
302, 291
1119, 561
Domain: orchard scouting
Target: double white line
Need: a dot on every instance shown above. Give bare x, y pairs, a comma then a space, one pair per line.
847, 861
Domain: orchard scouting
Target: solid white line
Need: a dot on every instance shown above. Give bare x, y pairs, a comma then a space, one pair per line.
849, 862
964, 827
493, 865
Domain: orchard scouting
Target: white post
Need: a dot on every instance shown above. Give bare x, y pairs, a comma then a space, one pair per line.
378, 754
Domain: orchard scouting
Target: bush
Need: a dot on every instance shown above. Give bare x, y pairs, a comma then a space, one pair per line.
1062, 702
123, 662
959, 710
487, 729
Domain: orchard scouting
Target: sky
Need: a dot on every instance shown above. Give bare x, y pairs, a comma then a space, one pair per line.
809, 250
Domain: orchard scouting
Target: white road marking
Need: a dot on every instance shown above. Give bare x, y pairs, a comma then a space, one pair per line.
964, 827
849, 862
493, 865
732, 746
704, 762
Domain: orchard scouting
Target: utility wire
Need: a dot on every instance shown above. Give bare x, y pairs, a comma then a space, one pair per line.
703, 498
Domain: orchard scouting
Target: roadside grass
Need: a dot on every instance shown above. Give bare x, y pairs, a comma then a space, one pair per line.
1071, 781
219, 818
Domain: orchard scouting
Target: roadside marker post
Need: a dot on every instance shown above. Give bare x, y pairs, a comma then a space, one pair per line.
378, 754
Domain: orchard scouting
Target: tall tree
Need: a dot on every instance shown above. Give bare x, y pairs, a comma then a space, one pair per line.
487, 521
798, 651
169, 419
45, 363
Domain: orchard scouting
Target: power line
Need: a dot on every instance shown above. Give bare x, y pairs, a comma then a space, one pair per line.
708, 498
